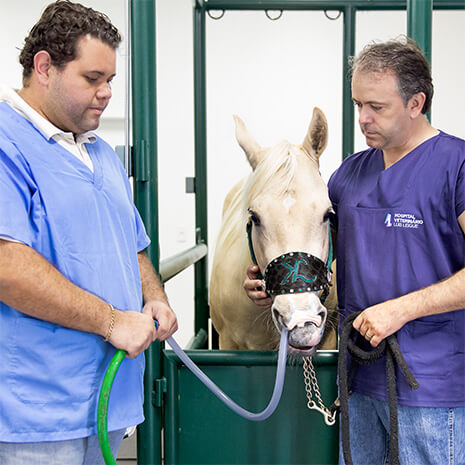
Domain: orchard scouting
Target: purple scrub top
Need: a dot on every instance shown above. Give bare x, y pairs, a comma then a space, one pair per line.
398, 232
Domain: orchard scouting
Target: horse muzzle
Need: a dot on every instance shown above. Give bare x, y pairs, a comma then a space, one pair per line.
304, 317
299, 283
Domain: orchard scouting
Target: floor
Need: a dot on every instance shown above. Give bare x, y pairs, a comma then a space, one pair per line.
128, 451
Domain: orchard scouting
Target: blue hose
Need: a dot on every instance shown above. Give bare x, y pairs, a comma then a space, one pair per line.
278, 386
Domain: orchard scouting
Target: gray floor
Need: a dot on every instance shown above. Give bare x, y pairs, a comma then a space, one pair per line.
128, 451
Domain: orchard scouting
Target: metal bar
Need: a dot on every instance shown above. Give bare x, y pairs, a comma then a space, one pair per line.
347, 106
320, 4
419, 26
145, 196
171, 417
127, 105
302, 4
448, 4
419, 23
201, 214
199, 341
173, 265
245, 357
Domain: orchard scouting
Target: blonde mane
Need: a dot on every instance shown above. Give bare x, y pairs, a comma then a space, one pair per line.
278, 165
277, 168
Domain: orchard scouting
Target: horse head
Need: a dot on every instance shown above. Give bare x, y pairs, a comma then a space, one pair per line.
287, 208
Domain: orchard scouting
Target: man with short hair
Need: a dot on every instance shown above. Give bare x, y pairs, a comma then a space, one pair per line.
75, 284
400, 208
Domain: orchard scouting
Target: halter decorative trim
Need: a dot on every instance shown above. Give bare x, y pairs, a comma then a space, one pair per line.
295, 272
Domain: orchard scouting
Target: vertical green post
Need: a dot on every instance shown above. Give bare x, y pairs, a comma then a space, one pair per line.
419, 24
347, 106
201, 212
144, 126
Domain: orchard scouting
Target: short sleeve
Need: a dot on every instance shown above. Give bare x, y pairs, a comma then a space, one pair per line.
143, 240
460, 192
17, 193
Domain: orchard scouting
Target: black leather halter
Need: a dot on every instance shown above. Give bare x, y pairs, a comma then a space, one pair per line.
295, 272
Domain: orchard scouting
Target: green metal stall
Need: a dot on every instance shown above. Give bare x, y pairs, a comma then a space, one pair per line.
201, 430
185, 423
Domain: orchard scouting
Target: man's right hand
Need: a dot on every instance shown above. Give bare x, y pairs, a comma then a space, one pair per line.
254, 289
133, 332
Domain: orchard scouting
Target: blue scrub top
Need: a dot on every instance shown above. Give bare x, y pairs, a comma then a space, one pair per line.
398, 232
86, 225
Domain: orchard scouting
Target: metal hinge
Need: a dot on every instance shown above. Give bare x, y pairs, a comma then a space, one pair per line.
127, 159
159, 388
190, 185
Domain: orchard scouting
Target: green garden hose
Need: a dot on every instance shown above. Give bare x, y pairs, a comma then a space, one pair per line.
102, 410
102, 424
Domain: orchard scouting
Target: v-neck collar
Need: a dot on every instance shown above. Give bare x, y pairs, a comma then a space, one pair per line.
408, 155
96, 176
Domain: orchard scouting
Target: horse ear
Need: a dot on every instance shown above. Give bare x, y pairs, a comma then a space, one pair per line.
316, 139
249, 145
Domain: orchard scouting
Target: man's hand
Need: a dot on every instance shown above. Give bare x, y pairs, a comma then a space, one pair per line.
133, 332
167, 321
380, 321
254, 290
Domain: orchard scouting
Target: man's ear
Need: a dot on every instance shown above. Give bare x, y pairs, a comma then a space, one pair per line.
42, 65
415, 104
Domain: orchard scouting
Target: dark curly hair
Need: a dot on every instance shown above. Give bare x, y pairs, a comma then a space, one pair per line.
58, 30
403, 57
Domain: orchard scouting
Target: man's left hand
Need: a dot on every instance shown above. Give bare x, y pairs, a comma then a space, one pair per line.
162, 312
378, 322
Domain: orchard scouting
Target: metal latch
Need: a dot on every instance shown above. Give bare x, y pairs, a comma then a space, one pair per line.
159, 388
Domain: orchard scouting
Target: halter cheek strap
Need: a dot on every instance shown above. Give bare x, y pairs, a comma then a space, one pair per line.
252, 253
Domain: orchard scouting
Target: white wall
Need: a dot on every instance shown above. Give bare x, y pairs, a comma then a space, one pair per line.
271, 73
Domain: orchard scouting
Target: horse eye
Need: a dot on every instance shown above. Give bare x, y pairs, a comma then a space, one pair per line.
255, 219
329, 215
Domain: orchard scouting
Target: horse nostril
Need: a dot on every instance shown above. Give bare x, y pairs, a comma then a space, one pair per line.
322, 315
278, 317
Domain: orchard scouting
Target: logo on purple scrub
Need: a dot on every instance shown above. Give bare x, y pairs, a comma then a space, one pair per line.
403, 220
388, 220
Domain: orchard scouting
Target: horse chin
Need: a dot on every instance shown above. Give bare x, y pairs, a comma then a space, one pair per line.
303, 342
299, 352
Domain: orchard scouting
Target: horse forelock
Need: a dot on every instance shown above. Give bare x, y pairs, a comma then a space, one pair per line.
276, 170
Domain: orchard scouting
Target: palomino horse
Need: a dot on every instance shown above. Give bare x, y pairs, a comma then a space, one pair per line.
285, 202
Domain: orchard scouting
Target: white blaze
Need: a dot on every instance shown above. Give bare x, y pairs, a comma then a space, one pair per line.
288, 202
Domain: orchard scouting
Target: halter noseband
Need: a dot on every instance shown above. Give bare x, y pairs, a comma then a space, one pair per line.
295, 272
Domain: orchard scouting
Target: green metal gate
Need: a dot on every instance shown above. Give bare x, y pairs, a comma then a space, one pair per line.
199, 429
196, 427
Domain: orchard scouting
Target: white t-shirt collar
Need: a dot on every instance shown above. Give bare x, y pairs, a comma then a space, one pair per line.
45, 127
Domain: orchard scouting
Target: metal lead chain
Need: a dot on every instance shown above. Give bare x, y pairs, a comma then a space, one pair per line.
311, 385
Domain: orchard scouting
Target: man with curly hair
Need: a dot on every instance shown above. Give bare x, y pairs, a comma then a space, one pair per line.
75, 283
